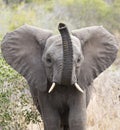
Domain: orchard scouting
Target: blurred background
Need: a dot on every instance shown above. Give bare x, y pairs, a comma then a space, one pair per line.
17, 111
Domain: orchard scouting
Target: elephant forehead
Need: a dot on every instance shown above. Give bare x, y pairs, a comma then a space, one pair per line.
54, 47
56, 41
53, 40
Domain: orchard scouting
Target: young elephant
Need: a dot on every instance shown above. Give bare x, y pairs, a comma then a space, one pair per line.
60, 69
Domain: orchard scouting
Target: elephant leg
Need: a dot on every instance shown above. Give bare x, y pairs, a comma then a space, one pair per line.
50, 115
66, 128
77, 115
50, 118
51, 122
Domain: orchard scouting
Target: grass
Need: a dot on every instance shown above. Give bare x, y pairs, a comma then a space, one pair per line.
104, 108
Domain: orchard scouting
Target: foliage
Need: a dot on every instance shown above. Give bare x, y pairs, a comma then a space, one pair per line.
15, 102
93, 12
20, 17
77, 13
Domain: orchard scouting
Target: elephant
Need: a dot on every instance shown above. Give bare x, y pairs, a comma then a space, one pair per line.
60, 69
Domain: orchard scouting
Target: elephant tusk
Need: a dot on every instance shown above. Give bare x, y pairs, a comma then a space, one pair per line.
78, 88
51, 88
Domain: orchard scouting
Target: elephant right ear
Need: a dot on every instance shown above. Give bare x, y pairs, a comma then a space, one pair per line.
99, 48
22, 49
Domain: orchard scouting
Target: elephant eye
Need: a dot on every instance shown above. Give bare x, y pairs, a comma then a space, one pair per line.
48, 60
78, 60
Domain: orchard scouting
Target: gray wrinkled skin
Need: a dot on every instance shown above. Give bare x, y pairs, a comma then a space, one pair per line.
37, 55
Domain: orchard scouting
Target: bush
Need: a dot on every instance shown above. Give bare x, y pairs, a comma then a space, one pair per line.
16, 108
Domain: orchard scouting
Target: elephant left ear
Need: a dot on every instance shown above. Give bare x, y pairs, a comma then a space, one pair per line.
99, 50
23, 49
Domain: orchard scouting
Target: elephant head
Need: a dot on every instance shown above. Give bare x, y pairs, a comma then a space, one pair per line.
68, 59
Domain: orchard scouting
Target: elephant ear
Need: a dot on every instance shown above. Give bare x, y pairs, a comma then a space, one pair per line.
99, 50
22, 49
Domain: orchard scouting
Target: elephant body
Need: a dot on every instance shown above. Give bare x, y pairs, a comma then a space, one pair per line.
64, 106
60, 69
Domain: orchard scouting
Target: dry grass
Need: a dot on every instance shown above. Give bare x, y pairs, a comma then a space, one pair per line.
32, 126
104, 108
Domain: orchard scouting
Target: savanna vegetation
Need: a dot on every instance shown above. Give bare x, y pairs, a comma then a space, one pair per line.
17, 111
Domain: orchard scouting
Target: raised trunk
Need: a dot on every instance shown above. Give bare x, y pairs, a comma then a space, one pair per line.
67, 55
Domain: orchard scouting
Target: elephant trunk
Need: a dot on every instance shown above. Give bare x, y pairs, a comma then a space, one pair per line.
66, 75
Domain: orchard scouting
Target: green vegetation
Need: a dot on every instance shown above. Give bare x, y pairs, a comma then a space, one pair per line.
15, 102
16, 107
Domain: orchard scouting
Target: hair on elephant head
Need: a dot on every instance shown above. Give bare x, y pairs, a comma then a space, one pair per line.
57, 66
